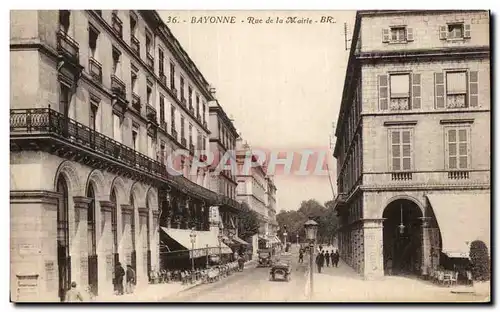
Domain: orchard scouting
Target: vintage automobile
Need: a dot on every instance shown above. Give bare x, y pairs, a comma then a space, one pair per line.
281, 271
265, 257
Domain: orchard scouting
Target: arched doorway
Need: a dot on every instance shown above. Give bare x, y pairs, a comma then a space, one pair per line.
91, 238
63, 257
402, 238
148, 242
114, 230
480, 261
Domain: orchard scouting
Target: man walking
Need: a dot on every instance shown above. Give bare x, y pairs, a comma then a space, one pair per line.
320, 260
336, 258
327, 258
301, 256
119, 273
130, 279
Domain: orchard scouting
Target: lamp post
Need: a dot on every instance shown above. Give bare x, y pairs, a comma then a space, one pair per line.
311, 227
192, 235
297, 238
220, 237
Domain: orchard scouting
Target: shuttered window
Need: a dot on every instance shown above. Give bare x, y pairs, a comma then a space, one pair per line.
457, 148
454, 31
400, 149
456, 89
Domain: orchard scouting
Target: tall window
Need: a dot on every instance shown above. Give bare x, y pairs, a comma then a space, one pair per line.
149, 43
149, 94
160, 61
162, 152
458, 148
198, 140
64, 100
182, 128
198, 106
401, 149
133, 75
172, 116
135, 137
456, 89
64, 20
190, 96
190, 135
93, 36
91, 221
162, 109
133, 26
183, 97
93, 116
400, 92
204, 111
117, 128
116, 62
63, 260
114, 220
151, 148
172, 75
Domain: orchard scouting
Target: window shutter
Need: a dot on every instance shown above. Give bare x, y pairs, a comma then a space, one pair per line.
473, 89
466, 31
409, 34
383, 91
443, 33
385, 34
416, 92
439, 90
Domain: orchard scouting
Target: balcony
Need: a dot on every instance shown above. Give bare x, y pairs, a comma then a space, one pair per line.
67, 46
163, 78
40, 128
150, 61
117, 25
183, 142
174, 132
95, 69
136, 102
458, 175
151, 114
136, 46
118, 87
191, 148
427, 178
401, 176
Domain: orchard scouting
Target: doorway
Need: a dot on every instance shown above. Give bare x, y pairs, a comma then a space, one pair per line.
91, 237
402, 237
63, 257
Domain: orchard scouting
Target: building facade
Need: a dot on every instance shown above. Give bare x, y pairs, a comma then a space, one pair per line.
99, 100
413, 141
271, 205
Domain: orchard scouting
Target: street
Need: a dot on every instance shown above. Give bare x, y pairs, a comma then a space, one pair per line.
252, 284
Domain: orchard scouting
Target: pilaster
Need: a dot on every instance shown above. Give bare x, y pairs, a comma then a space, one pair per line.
79, 259
373, 245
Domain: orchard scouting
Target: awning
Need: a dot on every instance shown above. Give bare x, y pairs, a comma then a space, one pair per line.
462, 219
205, 242
239, 240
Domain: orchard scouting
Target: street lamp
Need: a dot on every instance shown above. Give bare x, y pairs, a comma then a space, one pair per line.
311, 228
192, 235
297, 238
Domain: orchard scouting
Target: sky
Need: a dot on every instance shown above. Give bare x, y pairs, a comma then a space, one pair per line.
281, 83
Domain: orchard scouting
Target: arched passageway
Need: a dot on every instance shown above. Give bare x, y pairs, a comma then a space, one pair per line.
63, 257
402, 238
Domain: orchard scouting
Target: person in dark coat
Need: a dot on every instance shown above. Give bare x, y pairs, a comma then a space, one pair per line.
320, 261
130, 279
336, 258
119, 273
327, 258
301, 256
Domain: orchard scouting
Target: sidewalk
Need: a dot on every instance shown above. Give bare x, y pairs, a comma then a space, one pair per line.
343, 284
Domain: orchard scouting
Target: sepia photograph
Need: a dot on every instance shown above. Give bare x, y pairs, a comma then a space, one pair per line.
181, 156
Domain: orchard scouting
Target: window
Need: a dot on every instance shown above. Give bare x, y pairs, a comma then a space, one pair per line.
198, 106
93, 116
93, 35
117, 128
190, 96
458, 148
64, 100
190, 134
149, 93
182, 127
401, 149
64, 20
204, 111
162, 152
182, 88
172, 76
199, 143
160, 61
455, 31
116, 61
149, 42
162, 109
135, 137
456, 89
398, 91
151, 149
133, 26
204, 143
133, 80
398, 34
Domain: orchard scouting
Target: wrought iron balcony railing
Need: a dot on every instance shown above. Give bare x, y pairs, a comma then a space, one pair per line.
118, 87
183, 142
191, 148
46, 120
95, 69
151, 113
136, 102
136, 46
174, 132
39, 121
67, 46
117, 25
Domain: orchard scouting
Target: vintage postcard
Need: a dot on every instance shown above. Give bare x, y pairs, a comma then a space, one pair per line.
250, 156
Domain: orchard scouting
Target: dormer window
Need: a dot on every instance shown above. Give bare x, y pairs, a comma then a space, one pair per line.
454, 31
397, 34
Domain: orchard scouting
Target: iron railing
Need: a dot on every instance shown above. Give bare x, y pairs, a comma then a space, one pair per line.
118, 86
117, 25
67, 46
136, 47
136, 102
45, 120
151, 113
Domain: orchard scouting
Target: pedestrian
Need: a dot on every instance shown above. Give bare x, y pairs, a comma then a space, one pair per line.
336, 258
130, 279
241, 263
327, 258
301, 256
320, 261
118, 282
73, 294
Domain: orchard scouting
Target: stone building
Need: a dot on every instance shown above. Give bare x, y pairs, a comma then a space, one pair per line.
271, 206
99, 100
413, 141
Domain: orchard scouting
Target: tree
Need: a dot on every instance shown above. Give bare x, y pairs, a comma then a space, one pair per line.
248, 221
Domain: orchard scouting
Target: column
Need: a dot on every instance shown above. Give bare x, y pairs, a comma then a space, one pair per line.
155, 239
373, 243
142, 248
426, 247
80, 255
105, 251
126, 247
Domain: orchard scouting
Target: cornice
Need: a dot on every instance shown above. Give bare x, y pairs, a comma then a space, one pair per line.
424, 54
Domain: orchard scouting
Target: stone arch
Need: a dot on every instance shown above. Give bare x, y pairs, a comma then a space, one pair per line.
152, 198
68, 170
120, 188
405, 197
138, 193
97, 178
